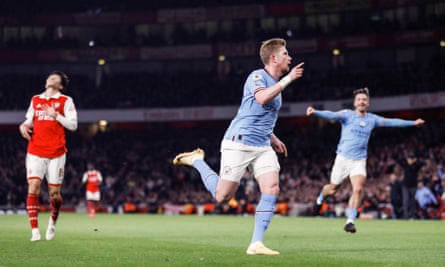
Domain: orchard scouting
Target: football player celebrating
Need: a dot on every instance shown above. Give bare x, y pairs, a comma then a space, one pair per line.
249, 142
356, 128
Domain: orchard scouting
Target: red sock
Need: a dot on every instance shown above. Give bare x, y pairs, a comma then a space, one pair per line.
95, 205
89, 206
56, 203
33, 206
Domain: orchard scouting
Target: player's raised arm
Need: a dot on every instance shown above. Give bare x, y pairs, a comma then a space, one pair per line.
264, 95
277, 61
310, 111
324, 114
387, 122
419, 122
295, 73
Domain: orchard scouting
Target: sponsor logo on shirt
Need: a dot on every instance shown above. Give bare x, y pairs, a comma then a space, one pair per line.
41, 115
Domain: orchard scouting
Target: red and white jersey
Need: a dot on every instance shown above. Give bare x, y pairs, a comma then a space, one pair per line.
48, 134
93, 179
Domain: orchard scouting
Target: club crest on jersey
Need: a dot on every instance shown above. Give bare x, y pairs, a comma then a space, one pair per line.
56, 105
362, 123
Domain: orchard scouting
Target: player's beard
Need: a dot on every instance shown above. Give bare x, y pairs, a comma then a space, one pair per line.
362, 108
285, 69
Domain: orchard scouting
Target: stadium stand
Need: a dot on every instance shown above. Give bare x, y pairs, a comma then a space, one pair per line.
170, 54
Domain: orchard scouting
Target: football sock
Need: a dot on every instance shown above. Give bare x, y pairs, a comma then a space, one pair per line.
90, 206
352, 214
33, 206
263, 215
208, 176
56, 203
320, 198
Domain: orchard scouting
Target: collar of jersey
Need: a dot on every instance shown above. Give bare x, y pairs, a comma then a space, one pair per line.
57, 95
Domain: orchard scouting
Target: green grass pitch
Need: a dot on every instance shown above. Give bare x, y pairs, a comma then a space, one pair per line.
152, 240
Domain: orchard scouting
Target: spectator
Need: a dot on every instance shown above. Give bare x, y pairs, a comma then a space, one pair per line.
425, 199
396, 196
411, 167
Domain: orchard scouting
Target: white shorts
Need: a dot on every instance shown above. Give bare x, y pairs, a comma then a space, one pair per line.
93, 195
53, 169
344, 168
236, 157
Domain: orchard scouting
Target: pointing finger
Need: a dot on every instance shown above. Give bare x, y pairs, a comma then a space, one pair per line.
300, 65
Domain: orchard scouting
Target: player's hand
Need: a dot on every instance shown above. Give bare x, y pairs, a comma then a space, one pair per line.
278, 146
310, 111
25, 131
419, 122
296, 72
50, 111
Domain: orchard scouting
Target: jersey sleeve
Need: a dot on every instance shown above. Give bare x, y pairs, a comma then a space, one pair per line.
84, 177
99, 177
29, 115
387, 122
256, 81
331, 115
69, 121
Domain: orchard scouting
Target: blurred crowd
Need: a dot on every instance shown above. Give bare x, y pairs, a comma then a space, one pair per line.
139, 174
171, 89
136, 162
363, 22
53, 6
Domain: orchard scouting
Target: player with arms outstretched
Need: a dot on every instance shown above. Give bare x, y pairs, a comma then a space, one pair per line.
249, 142
356, 128
49, 113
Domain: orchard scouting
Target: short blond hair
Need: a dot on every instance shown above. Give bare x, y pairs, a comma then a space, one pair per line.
269, 47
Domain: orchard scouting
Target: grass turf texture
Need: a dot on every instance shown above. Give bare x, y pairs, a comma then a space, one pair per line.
151, 240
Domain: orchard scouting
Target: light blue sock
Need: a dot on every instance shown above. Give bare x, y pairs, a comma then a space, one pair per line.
352, 214
320, 198
263, 215
208, 176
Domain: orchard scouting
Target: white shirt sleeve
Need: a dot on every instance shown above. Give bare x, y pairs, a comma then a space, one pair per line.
84, 177
99, 177
68, 121
29, 115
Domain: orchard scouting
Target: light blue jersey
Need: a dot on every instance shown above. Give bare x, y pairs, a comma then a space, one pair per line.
356, 130
254, 123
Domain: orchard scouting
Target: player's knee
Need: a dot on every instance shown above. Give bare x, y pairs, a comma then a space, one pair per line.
332, 189
357, 190
55, 195
34, 186
273, 189
221, 197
